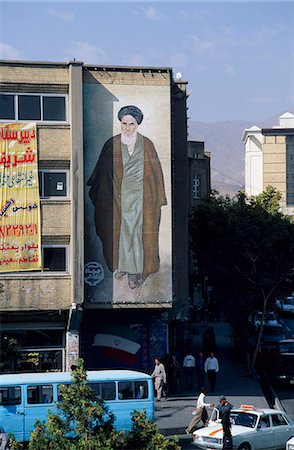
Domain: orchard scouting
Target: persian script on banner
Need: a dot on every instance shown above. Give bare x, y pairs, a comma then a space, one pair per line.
20, 230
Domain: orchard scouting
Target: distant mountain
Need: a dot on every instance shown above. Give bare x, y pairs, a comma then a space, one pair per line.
224, 141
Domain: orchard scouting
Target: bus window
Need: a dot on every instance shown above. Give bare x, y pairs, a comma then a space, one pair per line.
141, 389
10, 396
40, 394
105, 390
126, 390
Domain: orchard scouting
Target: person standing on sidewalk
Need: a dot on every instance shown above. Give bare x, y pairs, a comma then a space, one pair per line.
200, 369
159, 376
189, 369
211, 367
224, 408
200, 413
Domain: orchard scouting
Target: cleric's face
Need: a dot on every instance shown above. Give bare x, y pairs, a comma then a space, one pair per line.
128, 125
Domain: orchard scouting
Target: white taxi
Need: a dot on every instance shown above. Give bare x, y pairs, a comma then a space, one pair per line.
252, 429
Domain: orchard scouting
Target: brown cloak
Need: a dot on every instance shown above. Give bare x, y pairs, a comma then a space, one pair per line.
105, 193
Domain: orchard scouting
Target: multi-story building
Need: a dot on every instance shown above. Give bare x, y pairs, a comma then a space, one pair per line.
199, 173
269, 160
76, 302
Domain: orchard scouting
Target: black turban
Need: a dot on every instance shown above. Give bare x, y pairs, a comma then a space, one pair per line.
132, 111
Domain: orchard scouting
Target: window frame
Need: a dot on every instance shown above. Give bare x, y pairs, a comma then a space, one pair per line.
41, 96
196, 186
42, 184
66, 247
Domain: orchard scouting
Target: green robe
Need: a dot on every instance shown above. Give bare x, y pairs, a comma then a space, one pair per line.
130, 255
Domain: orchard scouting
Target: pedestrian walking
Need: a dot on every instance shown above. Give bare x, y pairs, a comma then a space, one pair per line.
189, 369
175, 374
224, 408
200, 369
211, 367
200, 413
159, 376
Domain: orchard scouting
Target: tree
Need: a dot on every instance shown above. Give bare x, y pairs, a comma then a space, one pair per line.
82, 421
10, 351
246, 248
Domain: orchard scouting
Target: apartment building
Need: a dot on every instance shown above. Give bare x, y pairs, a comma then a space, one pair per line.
269, 160
77, 302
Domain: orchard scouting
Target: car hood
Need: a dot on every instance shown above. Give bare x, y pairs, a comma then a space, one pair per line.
216, 431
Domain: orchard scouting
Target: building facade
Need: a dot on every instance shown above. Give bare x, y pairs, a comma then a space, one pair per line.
77, 303
269, 160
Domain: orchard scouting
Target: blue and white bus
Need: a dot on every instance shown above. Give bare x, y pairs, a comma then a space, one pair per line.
25, 397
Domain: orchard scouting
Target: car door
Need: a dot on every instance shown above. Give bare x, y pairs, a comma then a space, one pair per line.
263, 437
282, 430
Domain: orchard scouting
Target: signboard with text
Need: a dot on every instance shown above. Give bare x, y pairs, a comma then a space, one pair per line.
20, 231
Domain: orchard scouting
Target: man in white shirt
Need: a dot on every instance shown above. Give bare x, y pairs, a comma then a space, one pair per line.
211, 367
200, 413
189, 369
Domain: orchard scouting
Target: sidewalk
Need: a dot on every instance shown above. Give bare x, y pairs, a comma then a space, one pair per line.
173, 415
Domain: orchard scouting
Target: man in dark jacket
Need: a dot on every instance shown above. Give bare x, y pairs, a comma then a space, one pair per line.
224, 408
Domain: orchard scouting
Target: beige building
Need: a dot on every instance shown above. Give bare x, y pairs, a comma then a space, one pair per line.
73, 306
269, 160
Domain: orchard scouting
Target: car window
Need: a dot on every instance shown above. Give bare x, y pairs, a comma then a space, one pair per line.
278, 420
244, 419
264, 422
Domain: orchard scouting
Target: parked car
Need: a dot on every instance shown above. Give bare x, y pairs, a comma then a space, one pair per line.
271, 336
285, 306
252, 429
270, 318
284, 367
290, 444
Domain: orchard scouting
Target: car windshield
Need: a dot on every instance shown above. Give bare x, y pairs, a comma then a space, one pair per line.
243, 418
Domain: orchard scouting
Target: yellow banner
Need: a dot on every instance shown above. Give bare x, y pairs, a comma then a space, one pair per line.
20, 230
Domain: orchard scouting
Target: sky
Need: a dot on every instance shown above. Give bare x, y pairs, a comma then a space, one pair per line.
236, 56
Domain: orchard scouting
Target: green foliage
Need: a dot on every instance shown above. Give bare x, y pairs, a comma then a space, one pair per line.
269, 200
13, 444
10, 351
82, 421
145, 436
246, 248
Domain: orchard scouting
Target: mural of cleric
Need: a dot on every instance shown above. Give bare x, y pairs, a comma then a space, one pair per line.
127, 190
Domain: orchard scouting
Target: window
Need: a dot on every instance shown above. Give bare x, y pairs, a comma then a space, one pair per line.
53, 183
10, 396
264, 422
132, 390
196, 186
278, 420
29, 107
37, 107
40, 394
104, 390
7, 111
55, 258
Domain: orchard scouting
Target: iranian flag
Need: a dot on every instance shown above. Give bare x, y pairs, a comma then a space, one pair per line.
118, 343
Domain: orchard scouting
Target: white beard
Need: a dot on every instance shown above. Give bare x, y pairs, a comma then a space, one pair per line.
129, 140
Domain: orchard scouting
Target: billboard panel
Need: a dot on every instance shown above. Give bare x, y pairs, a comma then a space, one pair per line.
127, 154
20, 231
